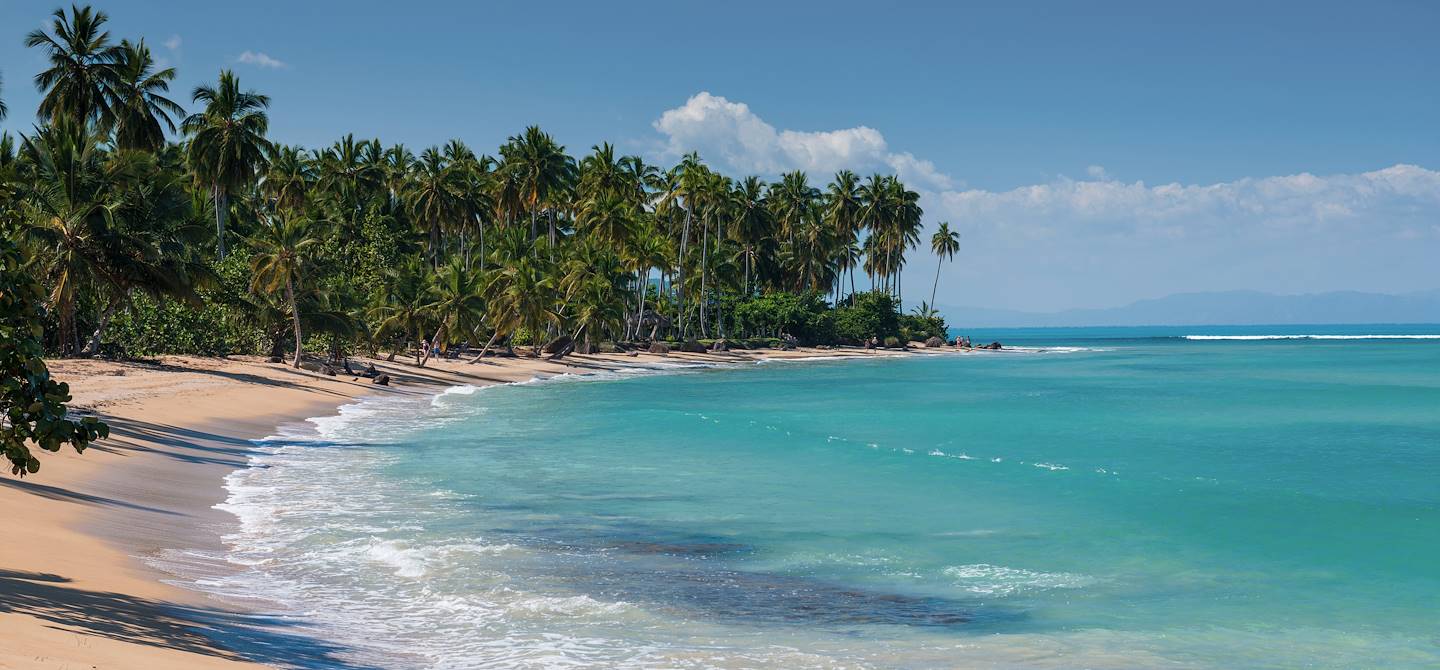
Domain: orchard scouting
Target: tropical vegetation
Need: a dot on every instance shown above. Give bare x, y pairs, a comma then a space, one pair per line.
154, 228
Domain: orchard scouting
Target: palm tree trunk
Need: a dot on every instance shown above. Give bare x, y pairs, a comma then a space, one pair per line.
486, 349
640, 314
680, 272
704, 270
748, 251
93, 348
222, 207
937, 283
434, 342
295, 320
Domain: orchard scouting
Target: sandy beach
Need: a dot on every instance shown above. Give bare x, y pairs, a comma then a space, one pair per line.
76, 590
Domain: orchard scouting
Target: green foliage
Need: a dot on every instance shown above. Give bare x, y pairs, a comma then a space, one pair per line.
873, 314
806, 316
892, 342
922, 326
32, 405
164, 326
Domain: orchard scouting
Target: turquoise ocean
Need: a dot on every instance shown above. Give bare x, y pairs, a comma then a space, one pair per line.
1180, 497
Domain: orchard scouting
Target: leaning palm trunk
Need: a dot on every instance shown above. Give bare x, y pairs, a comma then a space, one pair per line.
93, 348
486, 349
434, 342
680, 272
937, 282
295, 319
640, 309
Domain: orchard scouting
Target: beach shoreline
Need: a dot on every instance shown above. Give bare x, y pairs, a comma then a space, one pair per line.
91, 578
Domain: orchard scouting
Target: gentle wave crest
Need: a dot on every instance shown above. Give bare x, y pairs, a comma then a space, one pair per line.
1310, 337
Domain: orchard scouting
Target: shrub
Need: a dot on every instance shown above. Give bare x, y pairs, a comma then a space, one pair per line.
892, 342
921, 327
804, 315
872, 315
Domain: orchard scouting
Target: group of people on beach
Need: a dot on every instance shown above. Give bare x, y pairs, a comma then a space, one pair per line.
962, 342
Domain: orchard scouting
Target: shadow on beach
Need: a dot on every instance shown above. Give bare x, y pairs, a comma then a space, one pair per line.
200, 630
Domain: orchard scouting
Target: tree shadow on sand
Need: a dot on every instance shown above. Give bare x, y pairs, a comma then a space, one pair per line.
200, 630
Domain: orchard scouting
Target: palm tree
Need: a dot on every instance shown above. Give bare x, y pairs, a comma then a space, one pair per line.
690, 180
289, 178
3, 110
67, 213
432, 197
793, 201
146, 246
227, 142
607, 217
457, 302
520, 292
283, 248
136, 101
542, 170
82, 70
401, 307
945, 243
752, 223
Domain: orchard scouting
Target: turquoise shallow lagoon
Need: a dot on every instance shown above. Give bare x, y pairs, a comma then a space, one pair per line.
1104, 498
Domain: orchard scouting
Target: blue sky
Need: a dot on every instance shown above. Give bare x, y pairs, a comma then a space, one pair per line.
1090, 153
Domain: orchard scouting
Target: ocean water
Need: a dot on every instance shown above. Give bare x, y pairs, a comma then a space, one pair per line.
1095, 498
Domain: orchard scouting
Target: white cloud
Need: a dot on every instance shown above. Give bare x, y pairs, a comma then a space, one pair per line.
262, 59
173, 42
732, 134
1099, 241
1381, 202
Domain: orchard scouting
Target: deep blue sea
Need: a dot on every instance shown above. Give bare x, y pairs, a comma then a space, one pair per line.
1092, 498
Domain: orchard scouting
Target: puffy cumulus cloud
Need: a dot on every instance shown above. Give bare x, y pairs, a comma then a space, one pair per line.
729, 132
261, 59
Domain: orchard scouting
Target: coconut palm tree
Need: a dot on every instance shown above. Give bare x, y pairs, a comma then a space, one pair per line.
542, 169
689, 178
82, 66
146, 246
400, 309
227, 142
3, 109
792, 200
137, 101
607, 217
945, 243
432, 197
66, 213
521, 290
289, 178
283, 248
457, 302
752, 223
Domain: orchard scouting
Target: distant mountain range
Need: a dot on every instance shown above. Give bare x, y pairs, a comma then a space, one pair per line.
1222, 307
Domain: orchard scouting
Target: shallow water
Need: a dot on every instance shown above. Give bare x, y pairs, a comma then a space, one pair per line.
1099, 498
